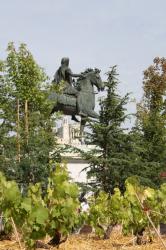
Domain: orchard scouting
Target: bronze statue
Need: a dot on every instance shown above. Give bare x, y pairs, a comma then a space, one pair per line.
77, 99
65, 74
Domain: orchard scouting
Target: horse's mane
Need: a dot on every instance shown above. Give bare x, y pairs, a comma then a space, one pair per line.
87, 71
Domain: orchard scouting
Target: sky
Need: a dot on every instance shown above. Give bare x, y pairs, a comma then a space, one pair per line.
92, 33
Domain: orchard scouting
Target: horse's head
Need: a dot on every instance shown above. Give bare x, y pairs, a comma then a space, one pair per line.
94, 76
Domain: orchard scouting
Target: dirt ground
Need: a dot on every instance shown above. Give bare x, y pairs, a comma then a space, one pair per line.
90, 242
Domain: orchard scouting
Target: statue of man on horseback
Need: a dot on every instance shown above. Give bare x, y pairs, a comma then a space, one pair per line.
77, 98
65, 74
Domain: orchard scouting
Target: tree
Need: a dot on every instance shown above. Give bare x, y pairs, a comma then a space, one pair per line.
151, 121
28, 137
111, 160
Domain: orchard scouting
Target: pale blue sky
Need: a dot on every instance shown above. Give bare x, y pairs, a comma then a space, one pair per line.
92, 33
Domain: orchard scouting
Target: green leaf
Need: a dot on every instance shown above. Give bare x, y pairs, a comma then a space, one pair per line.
12, 192
26, 204
39, 214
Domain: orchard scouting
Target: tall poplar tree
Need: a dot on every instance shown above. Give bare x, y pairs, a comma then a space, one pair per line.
28, 137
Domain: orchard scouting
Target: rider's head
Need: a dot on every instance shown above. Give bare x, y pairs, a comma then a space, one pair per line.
65, 61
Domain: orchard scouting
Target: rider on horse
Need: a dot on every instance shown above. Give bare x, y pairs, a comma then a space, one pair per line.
65, 74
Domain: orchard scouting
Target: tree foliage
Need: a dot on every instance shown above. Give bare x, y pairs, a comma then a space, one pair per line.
26, 125
111, 160
151, 120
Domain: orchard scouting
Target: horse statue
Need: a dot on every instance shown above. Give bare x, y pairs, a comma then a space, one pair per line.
68, 104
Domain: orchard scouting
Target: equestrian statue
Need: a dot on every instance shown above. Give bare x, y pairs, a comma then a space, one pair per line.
77, 98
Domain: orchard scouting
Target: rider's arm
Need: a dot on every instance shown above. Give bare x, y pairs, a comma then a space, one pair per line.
73, 75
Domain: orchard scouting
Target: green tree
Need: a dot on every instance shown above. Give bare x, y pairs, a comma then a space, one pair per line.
151, 121
111, 160
27, 127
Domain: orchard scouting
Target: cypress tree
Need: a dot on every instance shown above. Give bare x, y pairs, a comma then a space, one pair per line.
111, 160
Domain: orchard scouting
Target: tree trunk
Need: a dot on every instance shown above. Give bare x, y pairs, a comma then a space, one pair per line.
18, 130
139, 235
26, 122
108, 232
